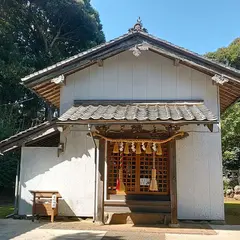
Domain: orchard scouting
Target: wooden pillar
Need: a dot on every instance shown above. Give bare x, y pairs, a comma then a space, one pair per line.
100, 181
173, 183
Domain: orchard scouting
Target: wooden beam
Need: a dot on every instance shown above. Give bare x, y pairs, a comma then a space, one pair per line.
42, 86
100, 181
53, 93
229, 93
173, 183
50, 89
230, 88
54, 98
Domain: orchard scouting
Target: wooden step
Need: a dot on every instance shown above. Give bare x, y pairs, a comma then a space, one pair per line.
137, 206
133, 202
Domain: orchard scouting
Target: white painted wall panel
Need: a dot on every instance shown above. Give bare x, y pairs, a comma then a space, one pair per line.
184, 82
154, 79
169, 81
199, 176
149, 76
110, 80
72, 174
125, 77
139, 78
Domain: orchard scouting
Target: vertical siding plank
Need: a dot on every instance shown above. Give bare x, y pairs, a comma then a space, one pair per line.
201, 190
81, 84
211, 96
110, 78
215, 173
96, 82
140, 77
185, 178
169, 81
184, 82
153, 90
125, 73
198, 85
67, 95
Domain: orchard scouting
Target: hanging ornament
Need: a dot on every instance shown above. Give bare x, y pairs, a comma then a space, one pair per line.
143, 146
121, 147
153, 184
120, 188
133, 147
115, 148
126, 149
138, 148
148, 149
159, 150
154, 147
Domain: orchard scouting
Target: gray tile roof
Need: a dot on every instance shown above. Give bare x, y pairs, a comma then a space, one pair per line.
174, 111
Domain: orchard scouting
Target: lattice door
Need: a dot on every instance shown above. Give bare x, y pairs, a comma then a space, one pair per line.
137, 171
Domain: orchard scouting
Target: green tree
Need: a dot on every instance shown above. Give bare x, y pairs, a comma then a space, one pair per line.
35, 34
230, 119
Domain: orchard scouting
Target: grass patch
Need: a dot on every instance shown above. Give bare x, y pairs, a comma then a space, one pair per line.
6, 210
232, 212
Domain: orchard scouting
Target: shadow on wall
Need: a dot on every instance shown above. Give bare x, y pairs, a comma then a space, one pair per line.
71, 174
37, 161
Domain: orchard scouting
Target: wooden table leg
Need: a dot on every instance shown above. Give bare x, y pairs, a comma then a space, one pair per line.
52, 215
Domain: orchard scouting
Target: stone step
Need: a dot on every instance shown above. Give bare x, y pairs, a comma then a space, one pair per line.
137, 218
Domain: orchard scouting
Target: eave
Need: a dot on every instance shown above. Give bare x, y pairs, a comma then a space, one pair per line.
40, 82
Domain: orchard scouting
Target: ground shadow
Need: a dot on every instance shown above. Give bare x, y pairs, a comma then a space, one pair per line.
89, 235
10, 228
112, 235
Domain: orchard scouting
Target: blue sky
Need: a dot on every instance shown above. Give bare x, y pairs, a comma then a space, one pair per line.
198, 25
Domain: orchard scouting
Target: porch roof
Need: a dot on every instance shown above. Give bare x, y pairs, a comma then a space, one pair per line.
41, 134
138, 111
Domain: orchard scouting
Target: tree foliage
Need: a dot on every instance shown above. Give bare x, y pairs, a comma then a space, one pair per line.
35, 34
230, 119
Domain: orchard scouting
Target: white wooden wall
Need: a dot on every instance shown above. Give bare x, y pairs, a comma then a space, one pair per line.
199, 174
72, 174
153, 77
149, 76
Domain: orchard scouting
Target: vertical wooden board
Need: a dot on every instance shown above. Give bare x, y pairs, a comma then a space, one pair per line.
153, 76
100, 181
198, 85
169, 82
140, 77
184, 82
185, 178
201, 175
81, 84
211, 96
216, 183
96, 82
110, 76
125, 75
173, 183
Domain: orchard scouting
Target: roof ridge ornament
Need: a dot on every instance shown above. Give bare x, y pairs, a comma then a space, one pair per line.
138, 27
